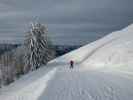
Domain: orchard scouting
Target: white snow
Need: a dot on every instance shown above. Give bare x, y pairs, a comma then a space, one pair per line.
103, 71
25, 88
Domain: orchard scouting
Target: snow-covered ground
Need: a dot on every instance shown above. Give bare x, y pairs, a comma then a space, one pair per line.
103, 71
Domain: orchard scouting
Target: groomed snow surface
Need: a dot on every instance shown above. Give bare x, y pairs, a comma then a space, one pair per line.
103, 71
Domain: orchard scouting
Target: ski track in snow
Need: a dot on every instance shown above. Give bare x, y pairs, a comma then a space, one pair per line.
77, 84
62, 83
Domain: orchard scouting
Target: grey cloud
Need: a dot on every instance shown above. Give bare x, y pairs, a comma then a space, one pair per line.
69, 21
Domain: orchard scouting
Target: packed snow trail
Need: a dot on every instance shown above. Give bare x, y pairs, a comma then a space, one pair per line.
63, 83
79, 84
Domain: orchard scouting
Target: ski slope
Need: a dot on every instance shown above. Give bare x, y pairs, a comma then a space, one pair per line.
103, 71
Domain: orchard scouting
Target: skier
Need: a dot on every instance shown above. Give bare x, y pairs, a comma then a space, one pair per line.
71, 64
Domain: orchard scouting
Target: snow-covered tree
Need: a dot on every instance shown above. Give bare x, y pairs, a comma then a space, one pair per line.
18, 60
6, 68
38, 47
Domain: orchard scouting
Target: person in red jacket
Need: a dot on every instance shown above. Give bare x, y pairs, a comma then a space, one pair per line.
71, 64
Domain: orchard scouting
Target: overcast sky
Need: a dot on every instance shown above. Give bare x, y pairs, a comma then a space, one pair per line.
69, 21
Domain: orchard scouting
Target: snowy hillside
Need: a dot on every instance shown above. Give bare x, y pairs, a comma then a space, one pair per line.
117, 51
112, 79
114, 49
